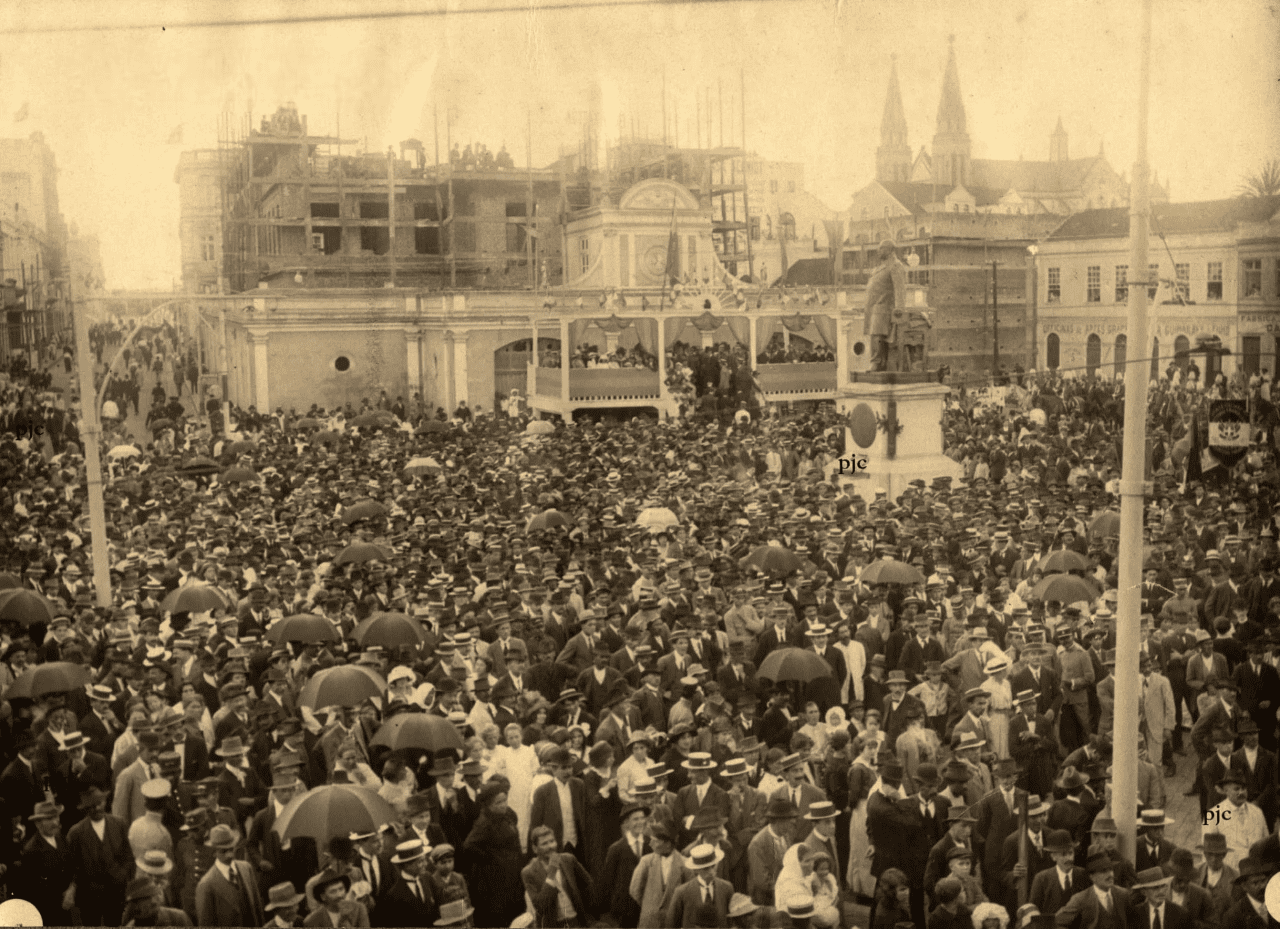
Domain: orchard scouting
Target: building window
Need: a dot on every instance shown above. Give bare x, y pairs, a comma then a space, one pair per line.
1121, 354
1052, 351
584, 249
1055, 285
1182, 272
1093, 291
773, 187
791, 186
755, 228
1153, 275
1214, 289
1093, 354
1251, 278
208, 251
1122, 283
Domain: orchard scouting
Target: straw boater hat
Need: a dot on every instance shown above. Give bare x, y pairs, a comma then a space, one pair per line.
703, 856
409, 851
455, 911
1153, 818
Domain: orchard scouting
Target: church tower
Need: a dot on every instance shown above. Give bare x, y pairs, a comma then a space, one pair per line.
1058, 143
893, 157
951, 137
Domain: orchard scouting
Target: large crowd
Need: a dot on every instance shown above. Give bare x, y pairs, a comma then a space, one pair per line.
364, 667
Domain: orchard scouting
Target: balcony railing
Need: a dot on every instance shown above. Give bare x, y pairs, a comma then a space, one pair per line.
599, 385
817, 378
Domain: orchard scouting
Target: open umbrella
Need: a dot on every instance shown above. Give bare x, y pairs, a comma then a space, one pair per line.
387, 630
240, 447
656, 518
1065, 588
305, 627
200, 465
1105, 525
368, 421
334, 809
773, 559
344, 685
539, 427
363, 509
794, 664
194, 598
420, 467
891, 572
162, 424
360, 552
9, 581
49, 678
23, 606
1060, 562
433, 425
419, 730
123, 451
238, 475
306, 423
547, 519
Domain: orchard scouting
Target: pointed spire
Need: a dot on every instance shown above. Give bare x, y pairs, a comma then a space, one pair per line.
1059, 130
1058, 143
951, 116
893, 124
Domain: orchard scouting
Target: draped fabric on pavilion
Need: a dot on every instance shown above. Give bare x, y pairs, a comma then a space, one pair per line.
816, 329
731, 330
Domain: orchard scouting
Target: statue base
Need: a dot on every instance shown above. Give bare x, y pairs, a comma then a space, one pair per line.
907, 445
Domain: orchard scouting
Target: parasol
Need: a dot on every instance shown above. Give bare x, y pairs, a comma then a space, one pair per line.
123, 451
238, 475
363, 509
1105, 526
332, 810
48, 678
656, 518
419, 467
23, 606
241, 446
1065, 588
304, 627
194, 598
360, 552
891, 572
794, 664
387, 630
1060, 562
773, 559
344, 685
539, 427
419, 730
547, 519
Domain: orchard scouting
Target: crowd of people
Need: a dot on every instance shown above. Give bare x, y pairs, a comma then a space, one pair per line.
683, 694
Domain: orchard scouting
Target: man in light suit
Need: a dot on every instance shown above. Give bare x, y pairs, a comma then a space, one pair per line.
657, 877
1085, 910
552, 873
1157, 714
128, 804
702, 901
561, 805
766, 851
228, 894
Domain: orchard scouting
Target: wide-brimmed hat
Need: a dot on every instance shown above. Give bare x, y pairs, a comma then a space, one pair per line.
46, 809
966, 740
139, 889
91, 795
1006, 767
327, 877
1071, 778
790, 761
455, 911
232, 746
701, 857
741, 905
1232, 776
1153, 818
155, 861
706, 818
1215, 843
1181, 865
1036, 806
959, 851
995, 665
223, 836
897, 677
960, 814
283, 895
1250, 867
1100, 861
799, 906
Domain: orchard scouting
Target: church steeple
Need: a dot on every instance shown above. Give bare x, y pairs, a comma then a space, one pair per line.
1058, 143
893, 157
951, 149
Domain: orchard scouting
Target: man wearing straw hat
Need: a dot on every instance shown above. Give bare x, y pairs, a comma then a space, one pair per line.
703, 901
410, 900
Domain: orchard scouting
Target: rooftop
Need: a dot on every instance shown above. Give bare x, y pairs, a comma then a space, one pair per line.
1172, 218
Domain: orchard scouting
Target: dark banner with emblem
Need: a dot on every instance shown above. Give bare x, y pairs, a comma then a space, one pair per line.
1229, 431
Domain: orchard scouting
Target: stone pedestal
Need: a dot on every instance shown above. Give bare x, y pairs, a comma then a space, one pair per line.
910, 406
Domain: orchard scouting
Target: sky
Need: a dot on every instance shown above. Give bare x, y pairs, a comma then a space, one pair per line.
108, 82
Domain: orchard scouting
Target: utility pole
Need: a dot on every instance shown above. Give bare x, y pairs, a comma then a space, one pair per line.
391, 213
1132, 492
995, 319
90, 438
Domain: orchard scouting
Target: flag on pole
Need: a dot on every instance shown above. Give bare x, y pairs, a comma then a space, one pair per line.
782, 242
23, 113
175, 137
671, 271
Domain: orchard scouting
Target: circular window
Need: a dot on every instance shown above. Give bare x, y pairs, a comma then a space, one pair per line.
342, 363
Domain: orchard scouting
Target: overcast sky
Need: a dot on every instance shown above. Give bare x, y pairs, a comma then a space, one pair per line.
107, 101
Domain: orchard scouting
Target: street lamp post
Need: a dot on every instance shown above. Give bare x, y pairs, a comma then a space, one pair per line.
90, 438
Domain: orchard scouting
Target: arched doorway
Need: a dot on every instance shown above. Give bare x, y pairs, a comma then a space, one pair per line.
511, 364
1155, 359
1181, 345
1053, 351
1121, 354
1093, 354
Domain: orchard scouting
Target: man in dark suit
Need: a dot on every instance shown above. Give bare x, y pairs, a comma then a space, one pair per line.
1042, 682
1156, 911
453, 809
1259, 685
799, 791
1259, 769
997, 818
1052, 887
895, 706
597, 680
699, 794
1153, 849
825, 691
228, 894
738, 676
100, 724
552, 872
101, 866
1100, 904
780, 632
193, 753
1038, 856
703, 900
20, 788
74, 770
561, 805
959, 833
409, 898
896, 831
266, 852
620, 864
1225, 714
1249, 912
1184, 890
44, 874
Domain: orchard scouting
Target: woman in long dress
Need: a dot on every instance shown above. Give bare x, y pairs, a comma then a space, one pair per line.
1000, 706
518, 763
491, 859
862, 776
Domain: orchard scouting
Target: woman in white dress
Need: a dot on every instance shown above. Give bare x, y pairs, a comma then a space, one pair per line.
862, 777
518, 763
1000, 706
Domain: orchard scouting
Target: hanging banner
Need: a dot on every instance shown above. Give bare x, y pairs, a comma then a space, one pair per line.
1228, 430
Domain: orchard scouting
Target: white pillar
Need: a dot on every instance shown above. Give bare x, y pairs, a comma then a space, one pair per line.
661, 349
842, 352
413, 362
751, 341
450, 381
460, 390
261, 394
565, 350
